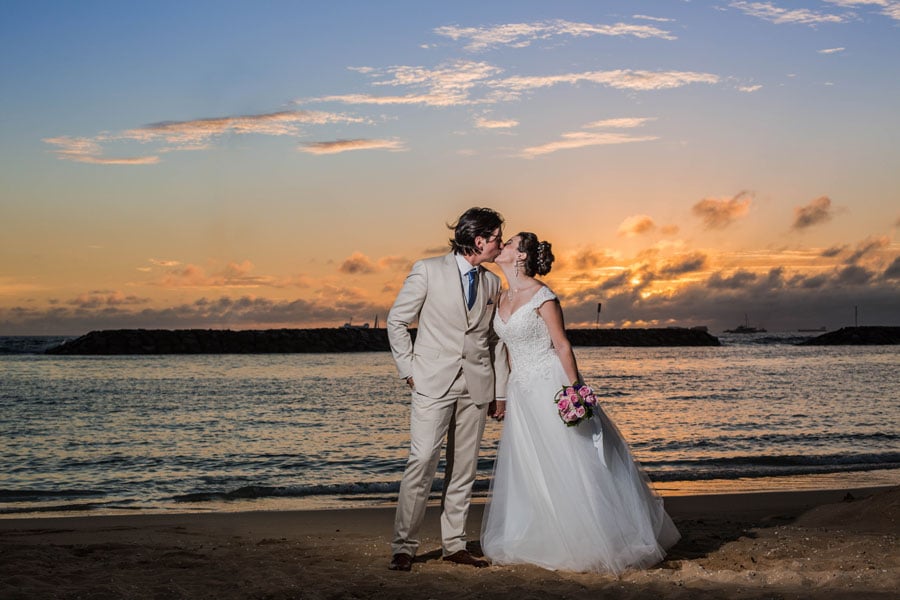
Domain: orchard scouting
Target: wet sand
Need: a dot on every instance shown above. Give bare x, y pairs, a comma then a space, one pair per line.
808, 544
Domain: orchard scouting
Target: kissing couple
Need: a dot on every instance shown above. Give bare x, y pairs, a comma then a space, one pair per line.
566, 494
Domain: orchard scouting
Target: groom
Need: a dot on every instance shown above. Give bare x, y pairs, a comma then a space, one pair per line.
451, 373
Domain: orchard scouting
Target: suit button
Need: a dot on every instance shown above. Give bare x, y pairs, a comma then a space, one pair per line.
464, 357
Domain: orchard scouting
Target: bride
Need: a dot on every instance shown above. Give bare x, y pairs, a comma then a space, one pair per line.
562, 497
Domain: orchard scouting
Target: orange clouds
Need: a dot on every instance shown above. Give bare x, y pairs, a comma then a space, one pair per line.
636, 225
817, 211
357, 263
232, 275
719, 214
360, 264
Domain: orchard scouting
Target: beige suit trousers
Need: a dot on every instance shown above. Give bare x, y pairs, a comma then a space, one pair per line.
454, 415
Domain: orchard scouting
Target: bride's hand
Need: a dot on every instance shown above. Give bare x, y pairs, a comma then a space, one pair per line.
497, 409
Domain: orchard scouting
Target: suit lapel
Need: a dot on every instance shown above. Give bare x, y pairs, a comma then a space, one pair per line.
454, 286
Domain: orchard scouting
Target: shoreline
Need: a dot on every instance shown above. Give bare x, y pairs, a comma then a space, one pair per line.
789, 503
799, 544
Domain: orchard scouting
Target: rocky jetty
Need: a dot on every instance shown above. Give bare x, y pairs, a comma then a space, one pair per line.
219, 341
343, 339
641, 337
858, 336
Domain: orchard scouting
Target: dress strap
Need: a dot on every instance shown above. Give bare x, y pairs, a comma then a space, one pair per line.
542, 295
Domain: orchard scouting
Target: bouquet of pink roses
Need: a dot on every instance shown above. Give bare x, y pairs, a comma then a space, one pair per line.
575, 403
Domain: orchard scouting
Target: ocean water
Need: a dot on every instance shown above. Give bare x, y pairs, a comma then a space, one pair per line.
106, 435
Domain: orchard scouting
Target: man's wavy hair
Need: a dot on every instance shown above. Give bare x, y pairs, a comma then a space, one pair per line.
471, 224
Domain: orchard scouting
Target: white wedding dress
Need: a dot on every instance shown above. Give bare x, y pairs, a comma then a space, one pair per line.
569, 498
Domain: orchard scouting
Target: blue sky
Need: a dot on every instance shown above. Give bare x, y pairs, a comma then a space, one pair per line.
211, 164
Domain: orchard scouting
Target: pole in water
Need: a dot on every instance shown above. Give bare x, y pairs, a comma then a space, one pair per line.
599, 306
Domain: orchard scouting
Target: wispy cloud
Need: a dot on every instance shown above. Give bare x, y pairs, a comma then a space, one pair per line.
622, 79
462, 83
581, 139
199, 132
90, 150
449, 84
719, 213
338, 146
778, 15
749, 89
196, 134
649, 18
520, 35
831, 50
817, 211
485, 123
888, 8
624, 123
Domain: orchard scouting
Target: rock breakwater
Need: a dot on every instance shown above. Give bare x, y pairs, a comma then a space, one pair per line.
342, 339
858, 336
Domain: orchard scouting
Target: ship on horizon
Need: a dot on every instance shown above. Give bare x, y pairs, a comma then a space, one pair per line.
746, 328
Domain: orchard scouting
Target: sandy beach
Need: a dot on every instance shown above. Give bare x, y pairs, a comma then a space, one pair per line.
810, 544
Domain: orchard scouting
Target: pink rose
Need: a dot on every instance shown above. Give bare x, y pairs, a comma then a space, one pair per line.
564, 404
579, 412
584, 391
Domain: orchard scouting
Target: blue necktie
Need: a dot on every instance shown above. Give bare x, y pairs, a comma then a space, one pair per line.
473, 288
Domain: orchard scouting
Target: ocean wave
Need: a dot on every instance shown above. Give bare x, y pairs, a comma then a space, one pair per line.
766, 440
41, 495
30, 344
739, 467
330, 489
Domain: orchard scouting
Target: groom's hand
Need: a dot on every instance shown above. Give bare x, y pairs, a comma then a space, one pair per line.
497, 409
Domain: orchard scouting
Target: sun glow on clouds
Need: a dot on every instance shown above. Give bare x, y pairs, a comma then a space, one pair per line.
719, 213
581, 139
338, 146
636, 225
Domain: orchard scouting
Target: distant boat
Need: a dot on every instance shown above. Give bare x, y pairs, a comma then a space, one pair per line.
349, 325
745, 328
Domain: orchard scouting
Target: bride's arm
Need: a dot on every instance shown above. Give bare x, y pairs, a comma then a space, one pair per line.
551, 312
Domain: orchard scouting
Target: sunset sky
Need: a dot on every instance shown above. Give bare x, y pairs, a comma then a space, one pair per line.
241, 165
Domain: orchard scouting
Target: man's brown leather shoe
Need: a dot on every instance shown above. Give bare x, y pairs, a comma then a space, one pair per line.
401, 562
464, 558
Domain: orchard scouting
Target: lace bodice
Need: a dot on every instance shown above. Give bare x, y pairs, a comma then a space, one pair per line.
527, 338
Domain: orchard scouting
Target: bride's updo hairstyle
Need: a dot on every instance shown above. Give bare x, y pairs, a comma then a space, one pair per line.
538, 257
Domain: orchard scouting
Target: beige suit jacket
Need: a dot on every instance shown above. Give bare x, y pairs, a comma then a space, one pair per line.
449, 336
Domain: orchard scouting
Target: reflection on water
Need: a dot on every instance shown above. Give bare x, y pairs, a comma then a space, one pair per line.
192, 432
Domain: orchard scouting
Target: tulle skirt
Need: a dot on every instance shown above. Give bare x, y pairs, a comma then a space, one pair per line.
569, 498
